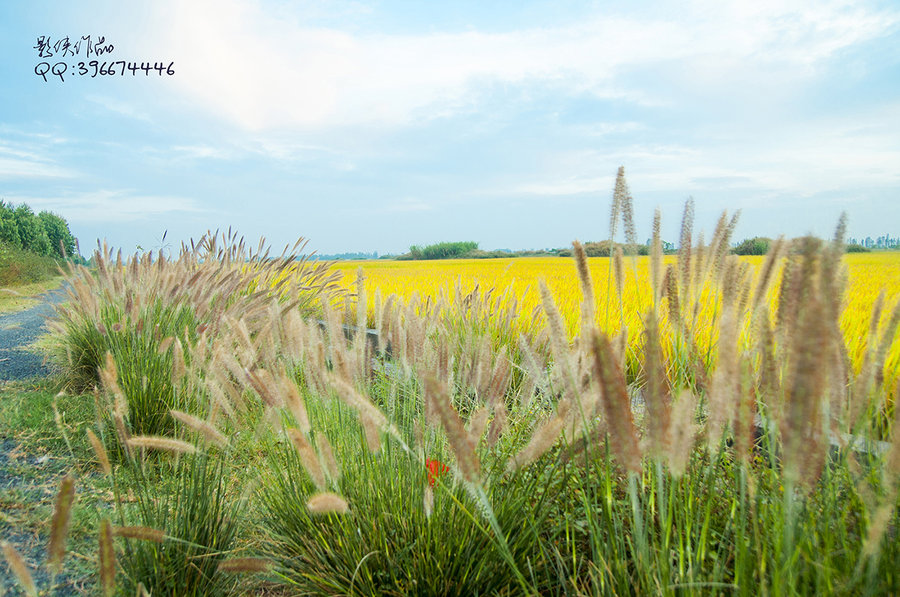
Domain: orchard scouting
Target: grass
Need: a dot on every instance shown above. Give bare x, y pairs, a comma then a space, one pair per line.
18, 267
24, 296
698, 452
36, 454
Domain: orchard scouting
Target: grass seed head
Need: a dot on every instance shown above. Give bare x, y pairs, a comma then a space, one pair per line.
308, 457
204, 428
327, 503
19, 568
166, 444
245, 565
59, 526
100, 452
141, 533
107, 556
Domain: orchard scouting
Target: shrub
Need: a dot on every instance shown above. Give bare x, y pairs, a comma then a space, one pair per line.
753, 246
18, 266
454, 250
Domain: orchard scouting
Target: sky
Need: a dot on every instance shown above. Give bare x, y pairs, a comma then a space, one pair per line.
376, 125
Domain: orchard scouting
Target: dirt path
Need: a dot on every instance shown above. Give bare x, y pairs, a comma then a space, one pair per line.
25, 478
18, 331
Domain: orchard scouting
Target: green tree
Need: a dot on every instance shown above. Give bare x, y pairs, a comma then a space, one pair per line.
758, 245
58, 233
31, 230
9, 229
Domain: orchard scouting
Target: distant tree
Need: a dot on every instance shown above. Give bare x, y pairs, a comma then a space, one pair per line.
31, 231
58, 234
454, 250
757, 245
9, 229
857, 248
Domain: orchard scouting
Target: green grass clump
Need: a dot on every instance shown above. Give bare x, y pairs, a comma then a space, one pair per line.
192, 505
406, 532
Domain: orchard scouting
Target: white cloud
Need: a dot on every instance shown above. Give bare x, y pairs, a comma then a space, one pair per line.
262, 70
201, 152
25, 161
122, 108
111, 206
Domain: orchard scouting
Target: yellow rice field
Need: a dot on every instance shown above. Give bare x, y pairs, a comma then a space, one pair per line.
517, 279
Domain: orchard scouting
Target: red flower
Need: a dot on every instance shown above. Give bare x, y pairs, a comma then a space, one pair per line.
436, 469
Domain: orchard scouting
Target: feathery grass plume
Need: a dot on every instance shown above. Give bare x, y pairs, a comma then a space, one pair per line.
140, 533
724, 387
730, 281
107, 555
460, 441
372, 418
204, 428
326, 457
165, 344
620, 192
264, 385
744, 416
543, 438
428, 501
499, 378
803, 433
327, 503
718, 248
769, 380
534, 372
99, 452
478, 423
294, 401
239, 565
109, 377
122, 432
656, 261
684, 244
767, 273
616, 403
559, 343
587, 288
627, 206
498, 424
361, 310
219, 397
683, 430
656, 389
831, 261
59, 527
166, 444
670, 282
308, 457
19, 568
619, 271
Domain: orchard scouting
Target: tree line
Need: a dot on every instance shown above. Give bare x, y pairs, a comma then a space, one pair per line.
44, 233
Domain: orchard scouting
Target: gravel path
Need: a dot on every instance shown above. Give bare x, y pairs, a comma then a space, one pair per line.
17, 478
18, 331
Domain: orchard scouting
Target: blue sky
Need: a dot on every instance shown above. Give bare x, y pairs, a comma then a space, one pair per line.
371, 126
